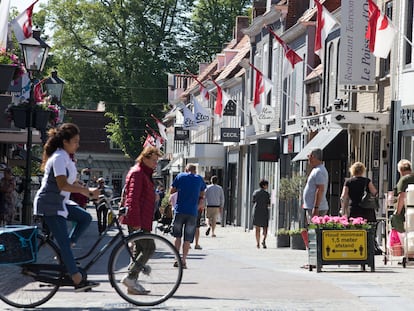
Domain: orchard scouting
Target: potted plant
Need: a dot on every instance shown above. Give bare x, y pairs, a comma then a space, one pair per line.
44, 114
336, 240
282, 238
10, 69
290, 190
296, 239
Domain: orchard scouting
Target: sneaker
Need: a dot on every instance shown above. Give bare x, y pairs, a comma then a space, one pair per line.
134, 288
208, 231
85, 286
264, 244
198, 247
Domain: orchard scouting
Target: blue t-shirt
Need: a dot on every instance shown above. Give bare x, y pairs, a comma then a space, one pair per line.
188, 187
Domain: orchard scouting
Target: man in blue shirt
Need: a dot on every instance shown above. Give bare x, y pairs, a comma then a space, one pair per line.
190, 187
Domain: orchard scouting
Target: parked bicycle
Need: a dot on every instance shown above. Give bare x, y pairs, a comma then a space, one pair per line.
32, 284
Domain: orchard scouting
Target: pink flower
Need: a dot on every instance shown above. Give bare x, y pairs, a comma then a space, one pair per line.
316, 220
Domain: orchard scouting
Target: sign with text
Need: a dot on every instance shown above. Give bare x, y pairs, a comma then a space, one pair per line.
356, 63
344, 245
267, 115
181, 134
229, 134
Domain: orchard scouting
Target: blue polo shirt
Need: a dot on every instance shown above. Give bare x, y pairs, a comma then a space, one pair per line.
188, 187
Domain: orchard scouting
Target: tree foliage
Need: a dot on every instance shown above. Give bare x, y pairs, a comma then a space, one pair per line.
118, 51
213, 23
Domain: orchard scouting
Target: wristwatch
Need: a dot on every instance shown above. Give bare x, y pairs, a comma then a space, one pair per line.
315, 207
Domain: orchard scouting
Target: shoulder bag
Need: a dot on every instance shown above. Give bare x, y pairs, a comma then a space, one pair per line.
368, 201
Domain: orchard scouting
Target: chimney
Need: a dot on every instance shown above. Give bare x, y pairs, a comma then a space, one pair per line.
242, 22
202, 67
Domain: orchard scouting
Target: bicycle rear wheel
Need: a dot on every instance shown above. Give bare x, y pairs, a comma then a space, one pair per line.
19, 289
158, 275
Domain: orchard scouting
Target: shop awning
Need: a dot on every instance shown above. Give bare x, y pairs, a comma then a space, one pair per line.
105, 164
321, 141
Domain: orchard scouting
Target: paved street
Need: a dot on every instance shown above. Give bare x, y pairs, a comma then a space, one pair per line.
230, 273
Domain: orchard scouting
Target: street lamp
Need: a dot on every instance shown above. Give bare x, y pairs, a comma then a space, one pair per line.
35, 52
54, 86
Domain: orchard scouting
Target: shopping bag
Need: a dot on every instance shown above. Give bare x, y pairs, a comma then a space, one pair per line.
394, 238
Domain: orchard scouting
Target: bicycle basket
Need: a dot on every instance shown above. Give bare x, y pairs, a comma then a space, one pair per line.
18, 244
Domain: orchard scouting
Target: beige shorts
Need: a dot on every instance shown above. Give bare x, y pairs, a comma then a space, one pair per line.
212, 213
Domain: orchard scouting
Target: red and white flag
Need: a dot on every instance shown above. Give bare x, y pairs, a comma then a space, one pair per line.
161, 128
149, 141
262, 88
158, 140
4, 22
38, 91
324, 23
380, 31
22, 24
221, 100
203, 90
291, 57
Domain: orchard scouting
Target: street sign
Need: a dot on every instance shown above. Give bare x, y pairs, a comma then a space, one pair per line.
344, 245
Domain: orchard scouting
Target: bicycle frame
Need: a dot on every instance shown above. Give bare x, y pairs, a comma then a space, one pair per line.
41, 270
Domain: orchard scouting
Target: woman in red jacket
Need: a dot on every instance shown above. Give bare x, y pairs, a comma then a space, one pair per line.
139, 199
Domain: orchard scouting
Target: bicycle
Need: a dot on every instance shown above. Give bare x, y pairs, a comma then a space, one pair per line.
31, 285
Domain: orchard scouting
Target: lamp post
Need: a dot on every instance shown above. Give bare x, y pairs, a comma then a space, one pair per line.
35, 52
54, 86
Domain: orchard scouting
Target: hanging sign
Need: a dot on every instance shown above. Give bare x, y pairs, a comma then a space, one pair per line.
229, 134
266, 116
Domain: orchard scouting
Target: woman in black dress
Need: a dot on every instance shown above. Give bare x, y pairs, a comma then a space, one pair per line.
353, 191
261, 202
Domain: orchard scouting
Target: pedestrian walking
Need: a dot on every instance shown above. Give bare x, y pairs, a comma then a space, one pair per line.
261, 202
139, 199
215, 202
190, 187
353, 191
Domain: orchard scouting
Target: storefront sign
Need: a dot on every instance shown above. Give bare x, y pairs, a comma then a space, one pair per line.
356, 63
230, 108
181, 134
230, 134
266, 116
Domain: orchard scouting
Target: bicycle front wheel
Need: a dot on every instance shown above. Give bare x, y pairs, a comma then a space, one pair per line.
19, 288
148, 262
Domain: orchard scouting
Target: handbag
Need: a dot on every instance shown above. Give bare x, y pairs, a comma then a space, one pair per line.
368, 201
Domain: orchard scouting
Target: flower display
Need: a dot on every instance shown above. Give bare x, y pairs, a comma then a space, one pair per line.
338, 222
7, 58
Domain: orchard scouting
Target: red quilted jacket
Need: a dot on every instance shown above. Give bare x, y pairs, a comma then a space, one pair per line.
139, 197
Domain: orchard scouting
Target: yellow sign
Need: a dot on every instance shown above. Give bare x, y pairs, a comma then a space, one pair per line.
344, 245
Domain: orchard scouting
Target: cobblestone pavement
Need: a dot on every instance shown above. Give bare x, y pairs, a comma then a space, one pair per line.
230, 273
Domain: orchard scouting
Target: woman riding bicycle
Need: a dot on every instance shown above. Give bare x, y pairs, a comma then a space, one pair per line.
52, 199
